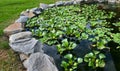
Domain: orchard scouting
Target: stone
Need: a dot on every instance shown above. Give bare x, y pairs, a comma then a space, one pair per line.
51, 5
77, 1
68, 2
13, 28
43, 6
111, 1
36, 10
19, 36
30, 14
40, 62
25, 63
33, 9
118, 1
22, 19
59, 3
25, 45
38, 47
101, 0
23, 57
52, 52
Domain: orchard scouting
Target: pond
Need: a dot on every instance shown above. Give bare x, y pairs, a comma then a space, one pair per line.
82, 34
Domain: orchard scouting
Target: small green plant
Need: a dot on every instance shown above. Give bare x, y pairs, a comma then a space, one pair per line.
95, 59
71, 62
66, 46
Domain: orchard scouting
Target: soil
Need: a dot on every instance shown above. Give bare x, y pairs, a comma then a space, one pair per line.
9, 60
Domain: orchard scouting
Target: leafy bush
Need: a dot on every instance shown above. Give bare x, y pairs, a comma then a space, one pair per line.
66, 26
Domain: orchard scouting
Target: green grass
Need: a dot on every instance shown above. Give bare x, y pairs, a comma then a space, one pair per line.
11, 9
9, 12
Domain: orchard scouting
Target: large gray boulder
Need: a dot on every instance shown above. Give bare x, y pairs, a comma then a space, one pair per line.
24, 43
25, 46
40, 62
19, 36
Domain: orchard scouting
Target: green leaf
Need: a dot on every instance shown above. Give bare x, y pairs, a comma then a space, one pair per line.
79, 60
118, 47
65, 42
101, 63
96, 52
116, 38
100, 45
86, 59
90, 63
64, 64
68, 56
97, 62
89, 55
74, 45
101, 56
84, 36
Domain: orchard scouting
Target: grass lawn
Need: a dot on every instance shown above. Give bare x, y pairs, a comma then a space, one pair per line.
11, 9
9, 12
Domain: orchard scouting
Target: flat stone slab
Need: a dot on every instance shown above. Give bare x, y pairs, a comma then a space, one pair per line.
13, 28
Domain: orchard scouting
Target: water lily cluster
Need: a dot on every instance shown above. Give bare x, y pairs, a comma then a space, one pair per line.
66, 26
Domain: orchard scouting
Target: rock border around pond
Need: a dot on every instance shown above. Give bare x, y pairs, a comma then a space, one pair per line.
30, 49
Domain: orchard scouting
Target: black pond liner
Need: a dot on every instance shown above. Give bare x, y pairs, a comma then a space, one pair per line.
82, 48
